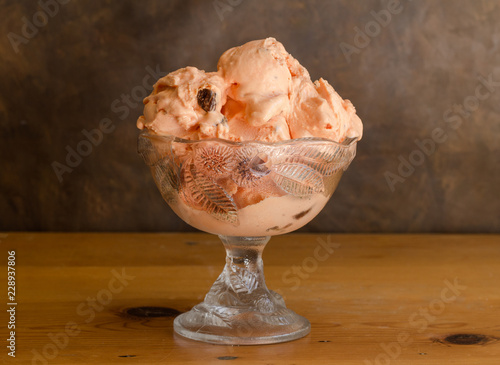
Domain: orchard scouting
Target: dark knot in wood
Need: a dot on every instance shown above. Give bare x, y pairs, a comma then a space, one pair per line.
150, 312
467, 339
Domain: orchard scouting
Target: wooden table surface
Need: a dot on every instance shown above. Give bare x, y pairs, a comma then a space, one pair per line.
371, 299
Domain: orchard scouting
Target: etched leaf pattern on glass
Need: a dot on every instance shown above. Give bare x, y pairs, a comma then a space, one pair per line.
242, 280
300, 169
281, 316
166, 178
298, 179
322, 157
158, 155
205, 194
153, 149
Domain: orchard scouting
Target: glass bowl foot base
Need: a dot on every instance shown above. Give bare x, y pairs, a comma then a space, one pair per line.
230, 326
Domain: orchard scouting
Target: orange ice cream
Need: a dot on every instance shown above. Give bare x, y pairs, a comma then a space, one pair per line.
259, 93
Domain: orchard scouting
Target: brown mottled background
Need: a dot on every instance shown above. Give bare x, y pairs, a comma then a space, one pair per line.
427, 59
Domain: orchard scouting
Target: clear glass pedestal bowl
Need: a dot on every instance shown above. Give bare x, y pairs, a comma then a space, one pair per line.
244, 192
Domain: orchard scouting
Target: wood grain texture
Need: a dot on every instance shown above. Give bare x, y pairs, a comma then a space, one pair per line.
368, 292
427, 59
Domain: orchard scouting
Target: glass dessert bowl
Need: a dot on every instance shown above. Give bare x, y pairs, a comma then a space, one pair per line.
245, 192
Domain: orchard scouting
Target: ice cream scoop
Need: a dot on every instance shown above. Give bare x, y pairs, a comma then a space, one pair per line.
259, 93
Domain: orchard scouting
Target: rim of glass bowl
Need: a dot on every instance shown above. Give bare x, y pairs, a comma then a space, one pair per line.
346, 144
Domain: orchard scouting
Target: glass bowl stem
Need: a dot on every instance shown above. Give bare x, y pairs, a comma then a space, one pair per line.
239, 309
